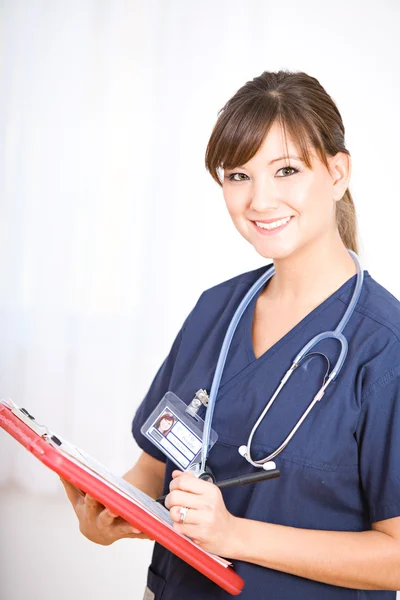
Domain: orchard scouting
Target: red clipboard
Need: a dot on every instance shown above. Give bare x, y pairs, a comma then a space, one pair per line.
44, 445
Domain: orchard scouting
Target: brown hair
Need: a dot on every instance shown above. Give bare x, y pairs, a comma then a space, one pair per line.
303, 108
167, 416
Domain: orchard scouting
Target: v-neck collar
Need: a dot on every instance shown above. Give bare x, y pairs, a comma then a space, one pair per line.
249, 318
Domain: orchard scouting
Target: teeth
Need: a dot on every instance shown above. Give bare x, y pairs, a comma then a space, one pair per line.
273, 225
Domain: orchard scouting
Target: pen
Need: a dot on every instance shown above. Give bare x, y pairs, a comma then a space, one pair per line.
241, 480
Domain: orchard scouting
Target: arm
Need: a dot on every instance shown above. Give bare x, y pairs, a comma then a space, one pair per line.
147, 475
361, 560
367, 560
96, 522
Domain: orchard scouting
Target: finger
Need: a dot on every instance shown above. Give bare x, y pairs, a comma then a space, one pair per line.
80, 492
191, 531
136, 531
139, 536
90, 501
187, 482
105, 518
67, 483
126, 528
176, 473
132, 528
180, 498
192, 516
108, 519
71, 491
92, 507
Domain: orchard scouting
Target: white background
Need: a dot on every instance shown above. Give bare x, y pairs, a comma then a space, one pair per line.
110, 226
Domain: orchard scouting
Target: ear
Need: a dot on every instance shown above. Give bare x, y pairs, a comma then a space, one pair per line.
340, 166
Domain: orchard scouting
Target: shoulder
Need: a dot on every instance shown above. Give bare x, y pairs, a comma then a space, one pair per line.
376, 336
377, 305
217, 304
237, 283
225, 296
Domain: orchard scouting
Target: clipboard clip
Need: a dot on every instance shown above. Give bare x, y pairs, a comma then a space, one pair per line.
30, 421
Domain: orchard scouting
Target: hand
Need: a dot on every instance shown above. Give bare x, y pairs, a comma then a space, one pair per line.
96, 522
207, 522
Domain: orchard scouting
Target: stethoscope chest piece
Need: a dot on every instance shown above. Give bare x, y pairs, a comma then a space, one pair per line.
206, 474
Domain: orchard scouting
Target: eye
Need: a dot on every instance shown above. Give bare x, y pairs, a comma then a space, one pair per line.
288, 168
231, 177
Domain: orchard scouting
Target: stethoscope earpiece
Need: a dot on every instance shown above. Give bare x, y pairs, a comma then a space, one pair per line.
268, 466
243, 451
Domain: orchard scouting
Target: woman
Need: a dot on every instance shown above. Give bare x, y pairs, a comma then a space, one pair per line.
329, 527
165, 423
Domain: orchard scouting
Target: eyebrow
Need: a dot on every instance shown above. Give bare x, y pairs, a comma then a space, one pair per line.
286, 157
270, 162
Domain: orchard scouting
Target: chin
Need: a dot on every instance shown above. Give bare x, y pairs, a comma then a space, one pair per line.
274, 253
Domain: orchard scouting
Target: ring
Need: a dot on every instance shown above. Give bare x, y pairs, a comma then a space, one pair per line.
183, 512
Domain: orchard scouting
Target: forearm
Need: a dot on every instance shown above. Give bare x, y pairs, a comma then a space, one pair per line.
363, 560
147, 475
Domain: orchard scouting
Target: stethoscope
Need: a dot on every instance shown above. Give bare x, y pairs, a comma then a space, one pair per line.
200, 469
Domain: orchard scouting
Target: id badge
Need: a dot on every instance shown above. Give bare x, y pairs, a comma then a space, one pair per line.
176, 432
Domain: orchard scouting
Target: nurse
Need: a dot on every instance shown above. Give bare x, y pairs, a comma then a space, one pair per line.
329, 527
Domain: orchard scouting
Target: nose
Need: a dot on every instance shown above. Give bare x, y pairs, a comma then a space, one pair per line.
263, 196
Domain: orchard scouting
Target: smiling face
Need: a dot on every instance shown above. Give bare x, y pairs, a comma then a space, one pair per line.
165, 424
282, 206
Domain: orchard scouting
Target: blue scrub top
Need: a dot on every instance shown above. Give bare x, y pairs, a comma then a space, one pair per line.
341, 470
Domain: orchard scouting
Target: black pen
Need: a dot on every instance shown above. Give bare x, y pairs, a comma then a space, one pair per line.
241, 480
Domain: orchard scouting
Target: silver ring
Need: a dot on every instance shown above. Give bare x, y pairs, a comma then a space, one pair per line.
183, 512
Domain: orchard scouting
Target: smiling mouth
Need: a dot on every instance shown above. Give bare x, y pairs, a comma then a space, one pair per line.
274, 224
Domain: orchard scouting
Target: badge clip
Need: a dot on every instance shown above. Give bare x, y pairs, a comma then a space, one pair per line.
200, 398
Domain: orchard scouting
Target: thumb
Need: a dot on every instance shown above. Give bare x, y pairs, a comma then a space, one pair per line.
134, 530
176, 474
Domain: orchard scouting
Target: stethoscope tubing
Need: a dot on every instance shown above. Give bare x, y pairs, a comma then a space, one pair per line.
336, 334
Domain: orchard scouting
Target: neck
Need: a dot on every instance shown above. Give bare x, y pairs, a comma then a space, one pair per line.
312, 274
